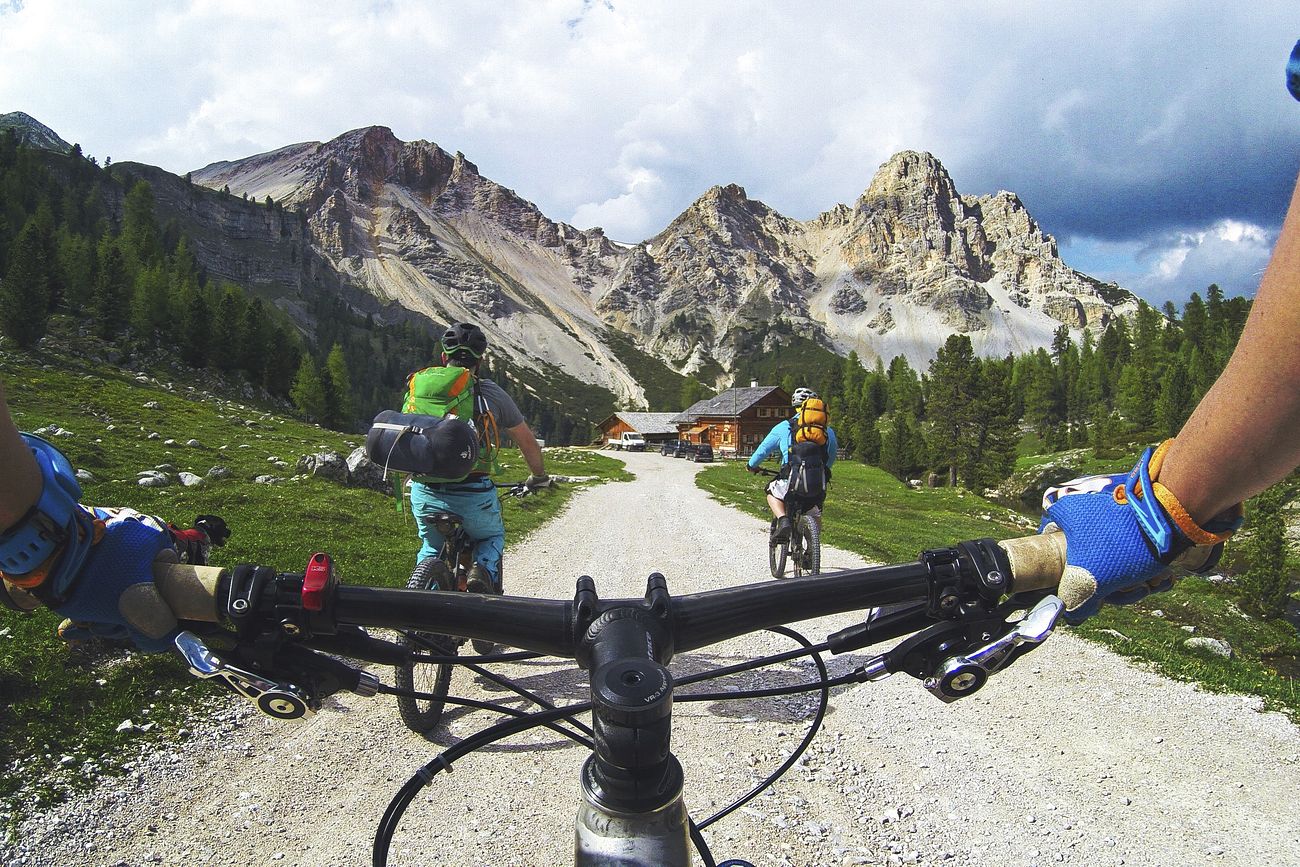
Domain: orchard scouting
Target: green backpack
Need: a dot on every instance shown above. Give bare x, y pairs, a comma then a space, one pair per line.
452, 391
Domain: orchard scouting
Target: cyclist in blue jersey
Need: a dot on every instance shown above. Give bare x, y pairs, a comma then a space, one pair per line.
778, 441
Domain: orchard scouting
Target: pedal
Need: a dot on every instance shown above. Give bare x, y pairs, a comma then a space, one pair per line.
282, 701
959, 676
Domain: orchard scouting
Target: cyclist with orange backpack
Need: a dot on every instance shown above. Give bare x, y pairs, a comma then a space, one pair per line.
807, 445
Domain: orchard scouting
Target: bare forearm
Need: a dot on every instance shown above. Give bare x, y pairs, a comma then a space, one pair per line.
1245, 434
22, 479
522, 434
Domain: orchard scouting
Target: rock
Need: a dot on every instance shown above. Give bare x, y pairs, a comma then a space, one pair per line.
126, 725
153, 404
268, 480
85, 476
152, 479
194, 444
326, 465
365, 473
154, 436
189, 480
217, 473
1215, 646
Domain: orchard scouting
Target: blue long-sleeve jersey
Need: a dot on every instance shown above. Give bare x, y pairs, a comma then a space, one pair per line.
781, 437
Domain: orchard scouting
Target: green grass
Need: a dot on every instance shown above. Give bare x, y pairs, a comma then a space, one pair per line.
870, 513
54, 703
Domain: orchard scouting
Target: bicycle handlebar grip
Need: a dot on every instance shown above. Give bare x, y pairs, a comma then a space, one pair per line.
1037, 562
191, 591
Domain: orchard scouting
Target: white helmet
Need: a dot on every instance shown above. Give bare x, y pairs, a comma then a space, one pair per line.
800, 395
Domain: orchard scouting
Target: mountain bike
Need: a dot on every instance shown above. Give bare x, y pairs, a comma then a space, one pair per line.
960, 613
803, 549
449, 570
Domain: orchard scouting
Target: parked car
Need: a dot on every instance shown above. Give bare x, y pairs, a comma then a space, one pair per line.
703, 453
683, 449
672, 446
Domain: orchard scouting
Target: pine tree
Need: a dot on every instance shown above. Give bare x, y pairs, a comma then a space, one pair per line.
227, 337
24, 292
139, 227
1136, 396
196, 328
692, 391
110, 299
953, 383
1175, 402
340, 410
898, 446
308, 393
1265, 585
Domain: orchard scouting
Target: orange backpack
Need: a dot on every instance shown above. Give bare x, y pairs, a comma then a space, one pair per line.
811, 421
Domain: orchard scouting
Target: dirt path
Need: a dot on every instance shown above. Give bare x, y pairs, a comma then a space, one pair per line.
1073, 757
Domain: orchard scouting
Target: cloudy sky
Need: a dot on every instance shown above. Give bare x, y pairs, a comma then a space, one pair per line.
1155, 140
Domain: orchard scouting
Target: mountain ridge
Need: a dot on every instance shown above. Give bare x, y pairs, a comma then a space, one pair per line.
408, 229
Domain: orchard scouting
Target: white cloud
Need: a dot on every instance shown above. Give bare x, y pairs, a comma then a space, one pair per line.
622, 113
1231, 253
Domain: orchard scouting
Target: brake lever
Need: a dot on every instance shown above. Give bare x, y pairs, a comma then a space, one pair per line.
282, 701
959, 676
957, 672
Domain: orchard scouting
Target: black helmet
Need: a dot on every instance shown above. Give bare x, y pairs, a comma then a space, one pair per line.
464, 338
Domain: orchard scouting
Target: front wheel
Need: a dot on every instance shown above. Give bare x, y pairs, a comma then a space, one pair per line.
776, 552
434, 679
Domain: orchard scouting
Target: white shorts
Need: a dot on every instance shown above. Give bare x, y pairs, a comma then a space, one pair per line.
778, 488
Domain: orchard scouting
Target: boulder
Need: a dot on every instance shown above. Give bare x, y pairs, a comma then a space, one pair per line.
268, 480
189, 480
218, 473
1209, 645
326, 465
365, 473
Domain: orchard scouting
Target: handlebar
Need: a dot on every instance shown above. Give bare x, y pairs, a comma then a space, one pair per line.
699, 619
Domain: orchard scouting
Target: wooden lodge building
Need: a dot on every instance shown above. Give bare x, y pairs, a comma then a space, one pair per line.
656, 427
735, 421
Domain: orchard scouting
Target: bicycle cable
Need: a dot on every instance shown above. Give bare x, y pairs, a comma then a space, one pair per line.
522, 721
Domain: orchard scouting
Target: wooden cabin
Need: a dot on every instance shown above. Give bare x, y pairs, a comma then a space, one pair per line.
735, 421
656, 427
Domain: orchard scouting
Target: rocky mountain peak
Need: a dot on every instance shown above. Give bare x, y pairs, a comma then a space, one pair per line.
909, 173
32, 132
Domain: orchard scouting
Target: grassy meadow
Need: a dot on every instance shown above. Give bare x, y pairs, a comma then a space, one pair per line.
58, 714
873, 514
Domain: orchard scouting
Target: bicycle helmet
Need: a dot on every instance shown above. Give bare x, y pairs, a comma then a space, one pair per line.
800, 395
464, 338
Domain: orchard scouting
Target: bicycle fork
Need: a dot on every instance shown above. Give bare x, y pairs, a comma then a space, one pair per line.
632, 810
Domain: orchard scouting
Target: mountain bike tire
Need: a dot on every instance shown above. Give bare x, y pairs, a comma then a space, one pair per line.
809, 559
776, 553
421, 715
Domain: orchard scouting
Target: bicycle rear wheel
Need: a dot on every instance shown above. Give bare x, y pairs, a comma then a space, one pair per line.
776, 553
810, 544
421, 714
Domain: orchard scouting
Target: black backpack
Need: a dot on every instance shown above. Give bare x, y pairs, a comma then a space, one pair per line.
808, 472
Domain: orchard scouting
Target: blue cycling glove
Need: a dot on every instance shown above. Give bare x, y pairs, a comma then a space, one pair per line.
114, 596
1122, 533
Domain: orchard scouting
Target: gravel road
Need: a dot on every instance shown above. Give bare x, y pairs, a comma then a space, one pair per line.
1073, 757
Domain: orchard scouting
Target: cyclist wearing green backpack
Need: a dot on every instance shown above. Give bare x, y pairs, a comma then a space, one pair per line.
455, 389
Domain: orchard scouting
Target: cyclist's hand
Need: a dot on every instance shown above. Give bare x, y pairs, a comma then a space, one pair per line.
537, 482
114, 595
753, 469
1120, 538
